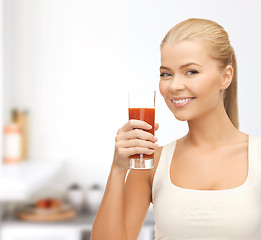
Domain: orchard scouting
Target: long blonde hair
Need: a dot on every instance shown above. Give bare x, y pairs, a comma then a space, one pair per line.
219, 48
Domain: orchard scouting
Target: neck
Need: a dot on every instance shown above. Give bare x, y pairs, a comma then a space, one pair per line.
213, 129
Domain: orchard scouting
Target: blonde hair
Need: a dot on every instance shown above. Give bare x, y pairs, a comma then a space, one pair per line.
219, 48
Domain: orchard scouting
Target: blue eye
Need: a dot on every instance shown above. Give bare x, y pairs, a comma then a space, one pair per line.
165, 74
191, 72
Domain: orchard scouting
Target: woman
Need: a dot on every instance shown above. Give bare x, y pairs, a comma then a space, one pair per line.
205, 185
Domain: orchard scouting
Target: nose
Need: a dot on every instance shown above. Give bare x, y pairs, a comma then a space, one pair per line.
177, 84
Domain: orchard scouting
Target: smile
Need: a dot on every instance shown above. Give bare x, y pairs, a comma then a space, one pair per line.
183, 102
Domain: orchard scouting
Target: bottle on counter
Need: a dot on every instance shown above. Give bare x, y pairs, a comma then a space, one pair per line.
12, 143
21, 119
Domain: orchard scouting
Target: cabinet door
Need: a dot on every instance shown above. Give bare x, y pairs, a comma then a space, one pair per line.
39, 233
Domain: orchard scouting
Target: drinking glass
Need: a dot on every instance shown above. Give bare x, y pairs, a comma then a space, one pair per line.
142, 107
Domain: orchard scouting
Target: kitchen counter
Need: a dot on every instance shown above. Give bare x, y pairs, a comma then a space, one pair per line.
79, 228
19, 181
82, 219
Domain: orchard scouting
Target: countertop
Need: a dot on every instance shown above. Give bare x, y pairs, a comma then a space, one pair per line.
20, 181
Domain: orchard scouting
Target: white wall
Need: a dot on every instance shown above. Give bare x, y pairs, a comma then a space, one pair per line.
70, 62
1, 78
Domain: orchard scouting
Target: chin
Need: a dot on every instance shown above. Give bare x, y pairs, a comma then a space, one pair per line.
182, 117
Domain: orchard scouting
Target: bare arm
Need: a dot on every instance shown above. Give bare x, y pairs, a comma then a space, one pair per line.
113, 221
108, 223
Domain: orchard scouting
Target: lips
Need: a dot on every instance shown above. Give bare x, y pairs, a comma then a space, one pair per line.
181, 98
179, 103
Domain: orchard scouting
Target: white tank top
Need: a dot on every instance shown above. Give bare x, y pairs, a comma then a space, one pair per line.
189, 214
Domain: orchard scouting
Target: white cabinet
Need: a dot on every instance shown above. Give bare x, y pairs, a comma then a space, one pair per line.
40, 233
58, 233
76, 229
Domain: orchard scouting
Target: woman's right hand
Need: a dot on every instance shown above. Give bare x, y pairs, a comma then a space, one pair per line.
132, 139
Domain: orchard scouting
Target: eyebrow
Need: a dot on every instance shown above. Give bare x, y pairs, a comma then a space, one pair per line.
182, 66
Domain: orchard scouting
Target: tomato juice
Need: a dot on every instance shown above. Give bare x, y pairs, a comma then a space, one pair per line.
147, 115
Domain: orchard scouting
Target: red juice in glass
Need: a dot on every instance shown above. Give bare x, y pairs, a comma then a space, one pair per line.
142, 107
147, 115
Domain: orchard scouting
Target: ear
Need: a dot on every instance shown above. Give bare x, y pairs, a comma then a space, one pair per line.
227, 76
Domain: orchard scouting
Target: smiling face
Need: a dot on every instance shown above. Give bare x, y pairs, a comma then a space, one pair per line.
188, 71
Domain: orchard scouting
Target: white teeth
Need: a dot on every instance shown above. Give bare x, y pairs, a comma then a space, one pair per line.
181, 101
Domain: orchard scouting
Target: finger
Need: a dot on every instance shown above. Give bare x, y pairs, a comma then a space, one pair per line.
156, 126
133, 123
136, 143
138, 150
136, 134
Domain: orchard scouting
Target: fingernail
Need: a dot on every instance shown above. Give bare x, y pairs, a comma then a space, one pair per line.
149, 126
156, 139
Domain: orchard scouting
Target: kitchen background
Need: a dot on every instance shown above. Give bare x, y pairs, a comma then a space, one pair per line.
69, 64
